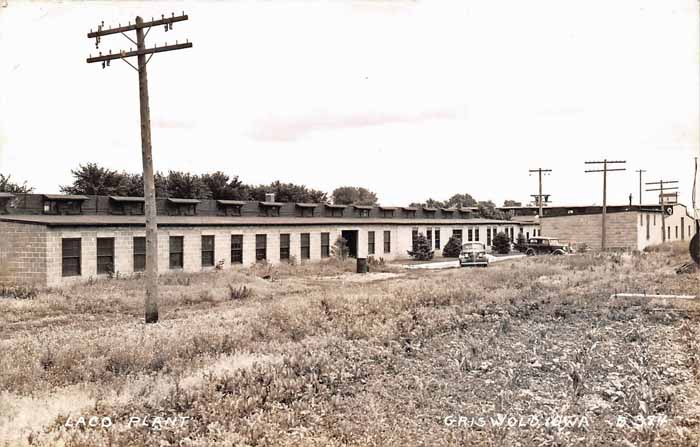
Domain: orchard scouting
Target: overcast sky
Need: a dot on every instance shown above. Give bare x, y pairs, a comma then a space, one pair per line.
410, 99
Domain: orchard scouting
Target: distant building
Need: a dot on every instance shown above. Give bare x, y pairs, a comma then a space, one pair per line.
57, 239
628, 227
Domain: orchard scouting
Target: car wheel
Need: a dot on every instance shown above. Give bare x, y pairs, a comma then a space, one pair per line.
530, 252
557, 252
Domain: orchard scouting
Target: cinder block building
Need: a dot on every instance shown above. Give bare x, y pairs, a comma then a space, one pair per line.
58, 239
628, 227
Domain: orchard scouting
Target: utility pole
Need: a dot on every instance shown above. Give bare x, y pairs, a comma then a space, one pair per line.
605, 171
661, 188
151, 302
640, 185
539, 196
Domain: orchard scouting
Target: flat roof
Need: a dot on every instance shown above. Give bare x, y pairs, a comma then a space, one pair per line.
65, 197
118, 220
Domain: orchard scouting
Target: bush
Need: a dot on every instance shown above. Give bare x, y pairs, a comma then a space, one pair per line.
452, 248
501, 243
340, 249
422, 251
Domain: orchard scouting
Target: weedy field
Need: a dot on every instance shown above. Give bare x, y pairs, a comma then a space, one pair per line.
317, 355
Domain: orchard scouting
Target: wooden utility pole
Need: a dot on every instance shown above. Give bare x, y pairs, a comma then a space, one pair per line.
661, 188
605, 170
540, 195
640, 185
151, 302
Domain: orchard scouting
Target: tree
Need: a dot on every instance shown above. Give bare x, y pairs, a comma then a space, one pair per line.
487, 210
422, 251
7, 185
501, 243
223, 187
288, 192
340, 250
461, 201
512, 203
349, 195
452, 248
186, 186
92, 179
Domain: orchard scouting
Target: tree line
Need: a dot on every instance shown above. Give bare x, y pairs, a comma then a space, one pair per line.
93, 179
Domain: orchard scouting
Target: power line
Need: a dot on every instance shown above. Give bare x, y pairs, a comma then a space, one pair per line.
605, 170
151, 302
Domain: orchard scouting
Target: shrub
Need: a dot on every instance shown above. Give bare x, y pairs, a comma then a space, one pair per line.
340, 249
239, 293
452, 248
422, 250
501, 243
18, 292
521, 242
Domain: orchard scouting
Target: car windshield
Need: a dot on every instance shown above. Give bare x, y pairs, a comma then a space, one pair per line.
473, 246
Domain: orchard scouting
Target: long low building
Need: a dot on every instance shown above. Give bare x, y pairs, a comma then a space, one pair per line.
57, 239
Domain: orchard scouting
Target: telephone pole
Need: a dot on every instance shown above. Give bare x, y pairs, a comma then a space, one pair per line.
605, 171
151, 302
540, 195
640, 185
661, 188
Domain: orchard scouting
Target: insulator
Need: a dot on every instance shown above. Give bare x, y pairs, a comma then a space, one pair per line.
103, 64
108, 63
166, 27
170, 25
172, 14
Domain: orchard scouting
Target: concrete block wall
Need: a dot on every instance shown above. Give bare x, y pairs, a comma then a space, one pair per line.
22, 253
621, 229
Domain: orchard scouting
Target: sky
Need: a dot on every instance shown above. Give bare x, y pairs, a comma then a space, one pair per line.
411, 99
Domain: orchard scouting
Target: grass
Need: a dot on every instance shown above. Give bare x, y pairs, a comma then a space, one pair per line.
317, 355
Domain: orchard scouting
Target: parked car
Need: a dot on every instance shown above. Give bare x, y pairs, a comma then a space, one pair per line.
473, 253
545, 246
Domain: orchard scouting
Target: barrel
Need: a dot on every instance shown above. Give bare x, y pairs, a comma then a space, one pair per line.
362, 265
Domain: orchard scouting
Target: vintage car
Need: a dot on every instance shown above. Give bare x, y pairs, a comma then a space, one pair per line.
545, 246
473, 253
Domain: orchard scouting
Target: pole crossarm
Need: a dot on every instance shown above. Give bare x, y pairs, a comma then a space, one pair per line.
606, 170
125, 54
133, 27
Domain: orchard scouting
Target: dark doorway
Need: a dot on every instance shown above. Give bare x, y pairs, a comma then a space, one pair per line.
351, 237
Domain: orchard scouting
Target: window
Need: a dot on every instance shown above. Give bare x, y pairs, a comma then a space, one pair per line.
669, 232
387, 242
105, 255
437, 238
325, 245
176, 252
429, 236
260, 247
641, 220
139, 254
370, 242
648, 232
284, 247
305, 245
488, 236
655, 219
414, 237
207, 251
236, 249
387, 213
476, 234
470, 235
71, 256
457, 234
676, 231
363, 212
334, 212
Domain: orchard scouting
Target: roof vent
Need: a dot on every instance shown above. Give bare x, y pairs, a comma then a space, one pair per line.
270, 197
